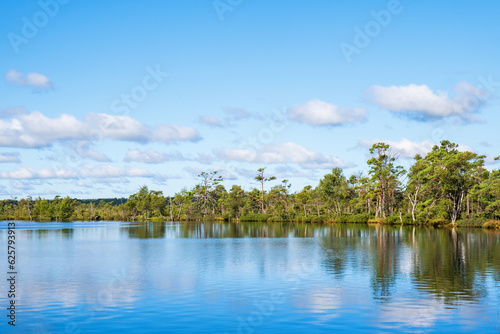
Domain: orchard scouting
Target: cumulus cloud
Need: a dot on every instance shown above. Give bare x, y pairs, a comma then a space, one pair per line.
421, 101
36, 130
281, 153
36, 80
10, 157
30, 130
407, 148
316, 112
45, 173
116, 127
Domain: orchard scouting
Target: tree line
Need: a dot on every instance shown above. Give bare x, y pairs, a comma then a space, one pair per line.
444, 186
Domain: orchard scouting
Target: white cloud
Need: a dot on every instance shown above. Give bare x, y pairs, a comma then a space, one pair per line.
174, 133
109, 171
137, 172
155, 157
210, 121
146, 156
34, 129
316, 112
32, 173
281, 153
421, 100
407, 148
9, 157
117, 127
36, 80
82, 149
94, 155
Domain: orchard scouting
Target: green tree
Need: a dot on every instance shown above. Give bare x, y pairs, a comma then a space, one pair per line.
334, 190
260, 177
455, 173
234, 200
417, 178
385, 176
64, 208
208, 184
157, 201
304, 198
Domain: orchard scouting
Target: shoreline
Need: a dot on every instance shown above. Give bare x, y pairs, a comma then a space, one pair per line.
487, 224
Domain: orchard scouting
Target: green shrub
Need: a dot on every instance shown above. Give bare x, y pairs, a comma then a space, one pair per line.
318, 219
255, 217
492, 224
407, 219
437, 222
353, 218
391, 220
227, 217
471, 222
303, 219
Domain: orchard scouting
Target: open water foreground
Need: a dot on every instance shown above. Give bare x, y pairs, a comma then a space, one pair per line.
98, 277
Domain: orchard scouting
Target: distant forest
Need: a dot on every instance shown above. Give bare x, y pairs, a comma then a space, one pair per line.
446, 186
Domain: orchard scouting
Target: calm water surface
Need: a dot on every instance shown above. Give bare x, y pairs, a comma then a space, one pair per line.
87, 277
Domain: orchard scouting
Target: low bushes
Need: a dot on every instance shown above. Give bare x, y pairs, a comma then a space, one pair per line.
492, 224
353, 218
376, 221
471, 222
437, 222
255, 217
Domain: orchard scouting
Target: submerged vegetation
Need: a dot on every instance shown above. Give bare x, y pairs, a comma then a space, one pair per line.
447, 186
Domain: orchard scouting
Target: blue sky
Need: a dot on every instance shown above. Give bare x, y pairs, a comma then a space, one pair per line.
99, 98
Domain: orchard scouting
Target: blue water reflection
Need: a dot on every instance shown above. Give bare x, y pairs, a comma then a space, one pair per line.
87, 277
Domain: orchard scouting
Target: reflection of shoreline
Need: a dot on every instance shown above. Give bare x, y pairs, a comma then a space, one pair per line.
448, 265
411, 276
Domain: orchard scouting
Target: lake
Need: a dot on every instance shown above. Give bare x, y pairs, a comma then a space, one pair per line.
191, 277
